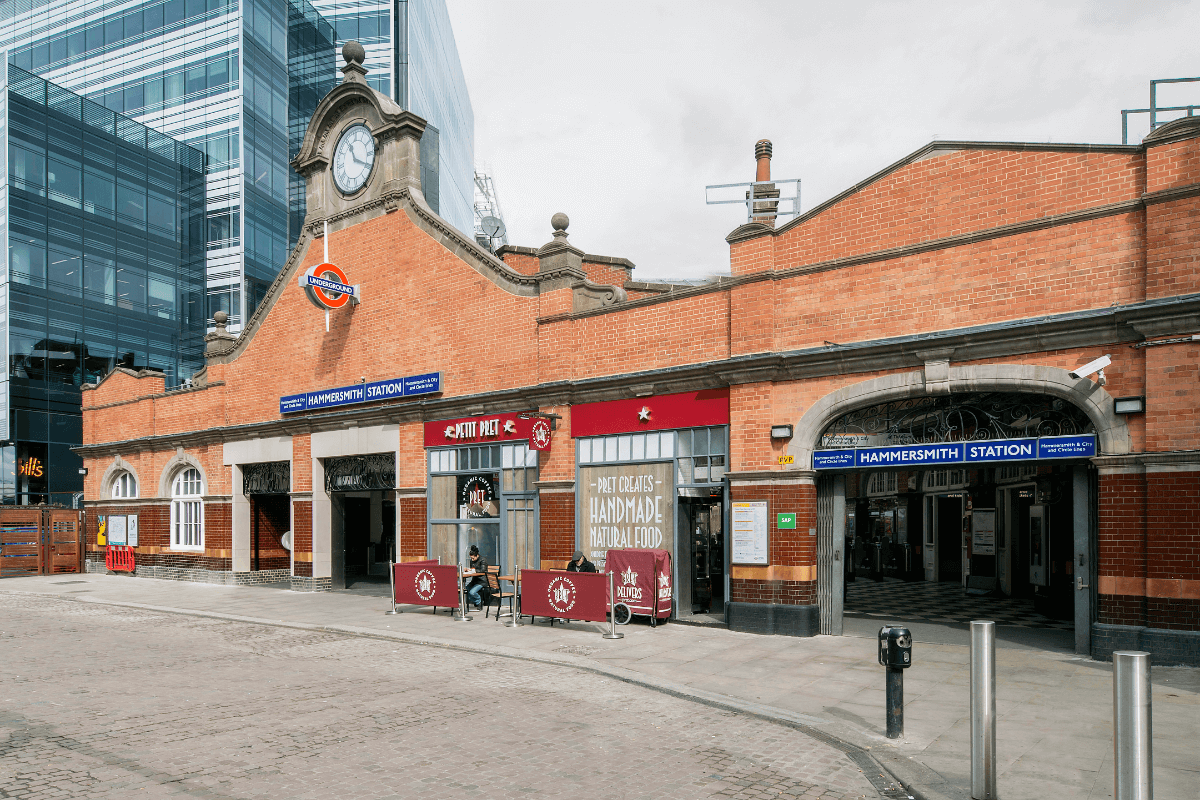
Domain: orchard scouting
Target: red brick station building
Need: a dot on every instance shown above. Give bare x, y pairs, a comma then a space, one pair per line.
977, 366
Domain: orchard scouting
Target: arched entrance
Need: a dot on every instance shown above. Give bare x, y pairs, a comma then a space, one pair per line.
936, 507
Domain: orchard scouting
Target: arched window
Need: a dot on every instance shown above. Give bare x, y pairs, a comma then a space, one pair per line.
124, 486
187, 512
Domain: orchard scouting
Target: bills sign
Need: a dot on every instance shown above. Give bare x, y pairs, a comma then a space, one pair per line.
977, 452
327, 287
429, 383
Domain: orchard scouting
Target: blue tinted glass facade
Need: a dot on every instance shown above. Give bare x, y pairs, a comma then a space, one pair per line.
312, 72
216, 74
105, 267
413, 58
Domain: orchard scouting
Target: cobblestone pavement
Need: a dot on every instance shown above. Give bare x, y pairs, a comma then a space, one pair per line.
105, 702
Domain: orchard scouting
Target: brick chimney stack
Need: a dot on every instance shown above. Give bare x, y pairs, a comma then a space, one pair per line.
764, 212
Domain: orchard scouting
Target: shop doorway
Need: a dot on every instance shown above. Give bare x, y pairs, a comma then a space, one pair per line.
270, 521
947, 523
364, 536
701, 549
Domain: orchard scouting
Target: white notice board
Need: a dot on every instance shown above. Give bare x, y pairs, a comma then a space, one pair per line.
750, 533
983, 532
116, 529
131, 530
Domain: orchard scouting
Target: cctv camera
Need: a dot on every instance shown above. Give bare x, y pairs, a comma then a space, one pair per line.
1087, 369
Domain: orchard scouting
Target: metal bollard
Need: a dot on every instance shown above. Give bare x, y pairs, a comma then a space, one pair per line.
612, 611
461, 614
514, 621
983, 710
1133, 758
392, 585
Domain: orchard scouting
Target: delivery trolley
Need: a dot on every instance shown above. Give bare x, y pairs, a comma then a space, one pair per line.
642, 583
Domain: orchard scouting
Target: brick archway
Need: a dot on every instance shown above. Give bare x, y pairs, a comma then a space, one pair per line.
1112, 433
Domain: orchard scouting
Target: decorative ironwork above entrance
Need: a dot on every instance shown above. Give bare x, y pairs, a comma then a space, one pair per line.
360, 473
957, 418
269, 477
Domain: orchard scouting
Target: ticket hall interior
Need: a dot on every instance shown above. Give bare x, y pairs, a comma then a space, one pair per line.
953, 541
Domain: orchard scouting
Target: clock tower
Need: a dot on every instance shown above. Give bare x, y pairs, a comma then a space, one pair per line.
361, 152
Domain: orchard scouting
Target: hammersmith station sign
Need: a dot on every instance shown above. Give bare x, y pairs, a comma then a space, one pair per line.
429, 383
975, 452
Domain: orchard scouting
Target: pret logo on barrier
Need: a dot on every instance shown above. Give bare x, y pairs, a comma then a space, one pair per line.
561, 593
328, 287
664, 586
426, 585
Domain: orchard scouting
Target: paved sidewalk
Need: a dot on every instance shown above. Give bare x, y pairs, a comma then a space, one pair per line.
1054, 708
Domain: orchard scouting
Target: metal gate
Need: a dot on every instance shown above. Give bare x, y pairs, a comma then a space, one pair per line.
40, 541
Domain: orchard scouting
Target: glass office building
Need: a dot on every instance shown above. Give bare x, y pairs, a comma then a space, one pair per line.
237, 79
412, 58
103, 226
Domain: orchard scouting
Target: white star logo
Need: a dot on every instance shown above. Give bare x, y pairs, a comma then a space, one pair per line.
561, 595
644, 414
424, 584
449, 431
629, 577
510, 426
663, 580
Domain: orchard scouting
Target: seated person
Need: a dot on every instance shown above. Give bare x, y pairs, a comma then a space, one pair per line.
478, 584
579, 563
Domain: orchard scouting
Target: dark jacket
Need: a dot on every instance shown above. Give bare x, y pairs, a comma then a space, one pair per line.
478, 565
583, 566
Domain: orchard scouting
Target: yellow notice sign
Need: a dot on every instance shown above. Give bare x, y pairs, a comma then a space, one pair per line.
102, 531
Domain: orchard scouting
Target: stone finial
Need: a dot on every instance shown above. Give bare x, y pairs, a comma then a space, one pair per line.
220, 341
559, 252
355, 54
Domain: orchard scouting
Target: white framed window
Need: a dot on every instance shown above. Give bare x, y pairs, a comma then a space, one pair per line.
124, 487
187, 511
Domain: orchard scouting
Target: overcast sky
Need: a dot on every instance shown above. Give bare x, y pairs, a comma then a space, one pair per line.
619, 113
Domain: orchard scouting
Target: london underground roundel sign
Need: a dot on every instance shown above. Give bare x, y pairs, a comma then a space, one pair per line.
327, 287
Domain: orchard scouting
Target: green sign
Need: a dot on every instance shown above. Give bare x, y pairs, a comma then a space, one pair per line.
786, 521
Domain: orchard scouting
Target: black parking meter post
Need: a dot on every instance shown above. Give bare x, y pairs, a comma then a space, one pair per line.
895, 654
895, 702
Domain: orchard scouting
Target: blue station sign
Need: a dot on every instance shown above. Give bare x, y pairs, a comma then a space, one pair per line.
429, 383
974, 452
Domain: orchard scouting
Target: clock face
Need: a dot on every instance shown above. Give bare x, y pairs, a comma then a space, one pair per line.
353, 158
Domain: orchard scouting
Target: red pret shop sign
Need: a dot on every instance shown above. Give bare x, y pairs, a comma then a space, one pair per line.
487, 429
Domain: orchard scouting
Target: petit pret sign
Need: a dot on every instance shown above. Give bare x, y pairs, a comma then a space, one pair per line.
479, 430
429, 383
328, 287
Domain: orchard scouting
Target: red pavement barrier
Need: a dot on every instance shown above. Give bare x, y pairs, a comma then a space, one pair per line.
426, 583
643, 580
118, 558
565, 595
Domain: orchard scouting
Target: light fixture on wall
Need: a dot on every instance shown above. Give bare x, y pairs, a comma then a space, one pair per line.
83, 470
554, 418
781, 431
1129, 405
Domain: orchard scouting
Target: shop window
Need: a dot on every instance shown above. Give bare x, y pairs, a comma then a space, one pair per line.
1010, 473
124, 487
187, 511
484, 495
936, 479
881, 483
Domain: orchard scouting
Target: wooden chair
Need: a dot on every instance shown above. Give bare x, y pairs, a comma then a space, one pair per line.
495, 592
